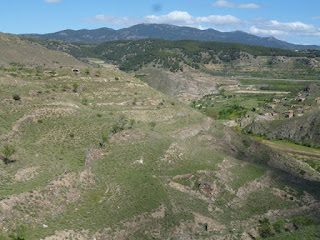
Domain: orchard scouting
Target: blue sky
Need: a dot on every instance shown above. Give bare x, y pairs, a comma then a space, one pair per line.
290, 20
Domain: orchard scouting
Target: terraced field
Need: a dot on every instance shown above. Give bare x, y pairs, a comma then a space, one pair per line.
101, 155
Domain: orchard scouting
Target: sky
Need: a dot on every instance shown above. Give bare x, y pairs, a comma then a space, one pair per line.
295, 21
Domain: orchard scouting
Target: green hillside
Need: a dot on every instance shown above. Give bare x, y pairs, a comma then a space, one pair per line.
98, 154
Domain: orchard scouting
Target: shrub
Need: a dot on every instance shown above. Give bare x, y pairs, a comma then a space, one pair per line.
279, 225
75, 87
16, 97
115, 128
19, 234
302, 221
8, 150
152, 125
132, 121
84, 101
104, 141
265, 229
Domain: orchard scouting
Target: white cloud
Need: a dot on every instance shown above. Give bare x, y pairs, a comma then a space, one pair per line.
52, 1
274, 27
176, 18
226, 4
114, 20
264, 32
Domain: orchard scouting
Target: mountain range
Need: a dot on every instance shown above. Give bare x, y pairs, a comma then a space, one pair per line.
168, 32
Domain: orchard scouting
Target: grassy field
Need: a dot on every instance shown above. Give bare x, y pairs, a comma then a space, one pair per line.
292, 86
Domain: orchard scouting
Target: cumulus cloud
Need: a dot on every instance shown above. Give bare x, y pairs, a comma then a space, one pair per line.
114, 20
264, 32
274, 27
185, 19
179, 18
226, 4
52, 1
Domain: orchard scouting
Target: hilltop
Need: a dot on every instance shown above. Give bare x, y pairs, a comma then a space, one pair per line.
15, 50
168, 32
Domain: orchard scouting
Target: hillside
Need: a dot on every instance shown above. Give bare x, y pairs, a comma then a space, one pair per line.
303, 130
16, 51
99, 154
168, 32
132, 55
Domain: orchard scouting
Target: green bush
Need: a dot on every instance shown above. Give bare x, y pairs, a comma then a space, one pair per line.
115, 128
16, 97
265, 229
279, 225
302, 221
84, 101
8, 150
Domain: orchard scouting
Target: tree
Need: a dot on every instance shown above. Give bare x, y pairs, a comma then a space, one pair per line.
8, 150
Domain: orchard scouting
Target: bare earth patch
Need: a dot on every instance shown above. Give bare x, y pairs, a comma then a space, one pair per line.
26, 174
67, 234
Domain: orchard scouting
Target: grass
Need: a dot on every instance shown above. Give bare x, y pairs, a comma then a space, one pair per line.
260, 202
246, 174
277, 85
62, 131
290, 146
306, 154
308, 232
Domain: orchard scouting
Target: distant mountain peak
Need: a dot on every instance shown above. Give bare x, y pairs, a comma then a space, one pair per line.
169, 32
